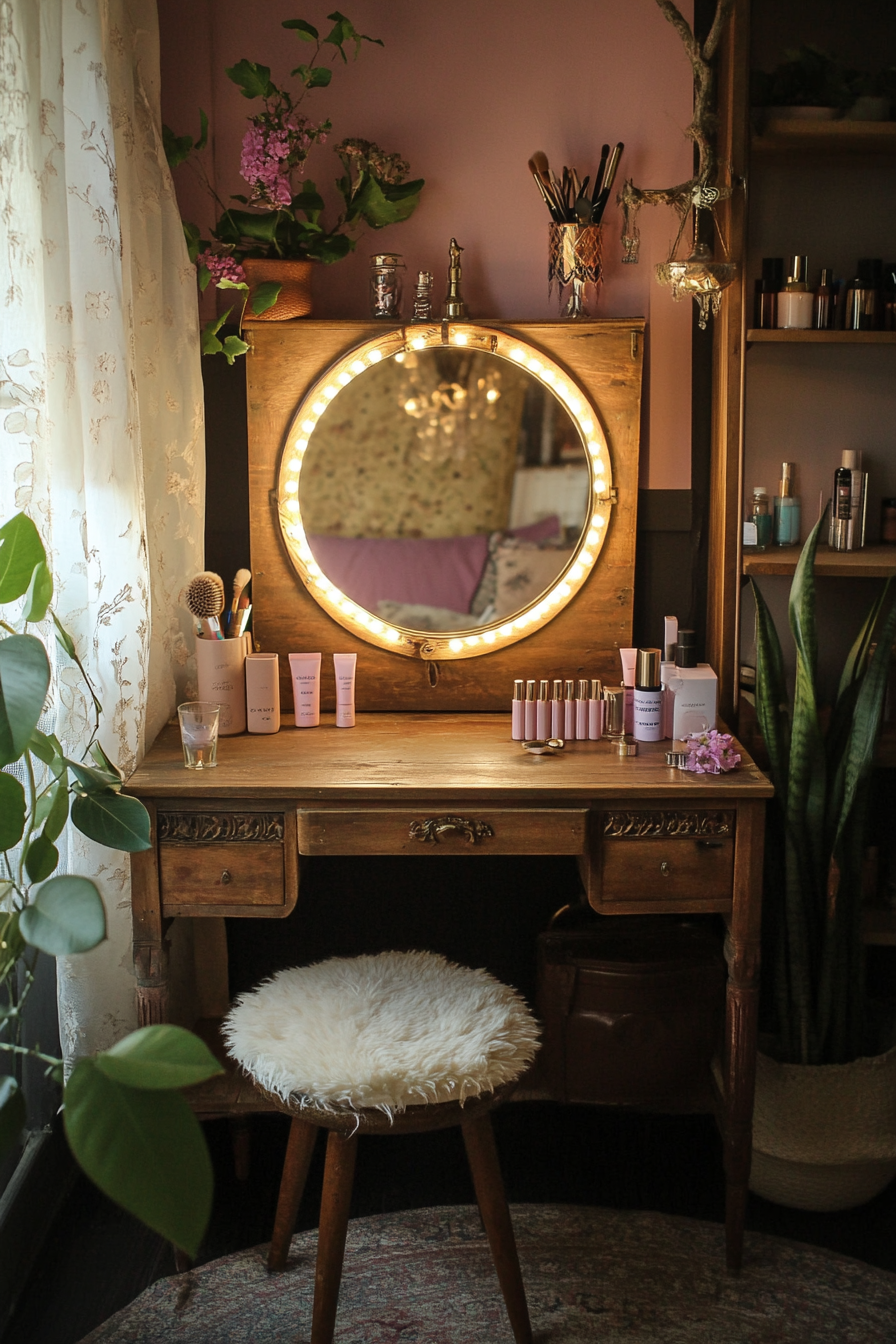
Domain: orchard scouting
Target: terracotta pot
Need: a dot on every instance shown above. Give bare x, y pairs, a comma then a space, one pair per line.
294, 299
824, 1137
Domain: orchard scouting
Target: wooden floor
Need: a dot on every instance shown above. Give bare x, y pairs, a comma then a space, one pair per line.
98, 1258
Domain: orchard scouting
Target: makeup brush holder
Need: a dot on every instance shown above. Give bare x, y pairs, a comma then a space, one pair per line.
574, 261
221, 674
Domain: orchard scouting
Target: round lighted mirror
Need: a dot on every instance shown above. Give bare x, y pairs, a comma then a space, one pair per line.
444, 490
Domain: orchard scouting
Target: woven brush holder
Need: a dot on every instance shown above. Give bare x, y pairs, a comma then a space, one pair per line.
574, 261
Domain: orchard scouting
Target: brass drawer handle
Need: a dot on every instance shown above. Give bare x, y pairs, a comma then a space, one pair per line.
710, 844
226, 878
430, 829
666, 868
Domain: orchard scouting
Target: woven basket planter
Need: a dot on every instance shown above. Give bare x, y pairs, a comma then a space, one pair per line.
824, 1137
294, 299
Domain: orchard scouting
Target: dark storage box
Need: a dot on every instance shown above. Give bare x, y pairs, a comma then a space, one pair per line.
632, 1010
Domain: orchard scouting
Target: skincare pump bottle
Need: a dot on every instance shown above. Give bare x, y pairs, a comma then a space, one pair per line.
648, 697
696, 689
847, 531
557, 710
787, 509
569, 713
517, 713
796, 302
530, 712
542, 712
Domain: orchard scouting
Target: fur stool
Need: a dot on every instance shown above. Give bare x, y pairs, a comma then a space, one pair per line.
396, 1043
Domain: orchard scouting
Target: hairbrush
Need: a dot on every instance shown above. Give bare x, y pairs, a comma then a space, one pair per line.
204, 598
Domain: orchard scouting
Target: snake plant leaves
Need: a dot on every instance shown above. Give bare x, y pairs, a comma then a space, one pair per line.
866, 721
144, 1149
159, 1057
12, 811
66, 916
12, 1114
24, 680
112, 819
21, 551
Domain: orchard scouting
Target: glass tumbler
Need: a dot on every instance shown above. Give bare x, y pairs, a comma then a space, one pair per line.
199, 733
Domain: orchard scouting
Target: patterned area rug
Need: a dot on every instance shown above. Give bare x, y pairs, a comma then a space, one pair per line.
425, 1277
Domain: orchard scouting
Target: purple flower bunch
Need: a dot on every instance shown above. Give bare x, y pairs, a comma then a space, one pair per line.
276, 143
711, 753
221, 266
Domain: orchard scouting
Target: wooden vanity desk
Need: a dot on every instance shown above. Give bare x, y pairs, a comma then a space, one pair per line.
430, 768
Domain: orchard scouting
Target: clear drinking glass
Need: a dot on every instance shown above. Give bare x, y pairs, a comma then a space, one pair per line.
199, 733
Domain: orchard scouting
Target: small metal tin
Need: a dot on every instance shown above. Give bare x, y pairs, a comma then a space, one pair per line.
678, 759
538, 746
624, 748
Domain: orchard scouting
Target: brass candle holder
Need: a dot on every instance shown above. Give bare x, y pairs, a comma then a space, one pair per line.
574, 261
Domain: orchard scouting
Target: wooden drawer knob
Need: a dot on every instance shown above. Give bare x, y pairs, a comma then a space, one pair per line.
226, 878
666, 868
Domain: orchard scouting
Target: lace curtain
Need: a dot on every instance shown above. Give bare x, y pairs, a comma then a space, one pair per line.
101, 423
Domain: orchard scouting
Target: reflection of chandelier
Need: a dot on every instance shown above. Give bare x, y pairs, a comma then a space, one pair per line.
447, 409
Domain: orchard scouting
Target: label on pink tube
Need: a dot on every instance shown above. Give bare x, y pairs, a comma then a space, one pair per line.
304, 668
344, 666
516, 721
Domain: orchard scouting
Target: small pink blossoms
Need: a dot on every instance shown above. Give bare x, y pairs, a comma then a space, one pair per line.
221, 266
711, 753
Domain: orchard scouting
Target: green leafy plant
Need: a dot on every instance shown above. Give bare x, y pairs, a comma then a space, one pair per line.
125, 1120
282, 217
808, 77
820, 767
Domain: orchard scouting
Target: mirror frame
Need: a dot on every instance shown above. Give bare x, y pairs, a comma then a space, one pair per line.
508, 629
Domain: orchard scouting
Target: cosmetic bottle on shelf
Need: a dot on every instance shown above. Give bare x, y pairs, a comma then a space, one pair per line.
787, 509
761, 519
569, 712
530, 713
557, 710
796, 301
517, 713
648, 697
847, 528
822, 307
542, 712
582, 711
595, 711
767, 292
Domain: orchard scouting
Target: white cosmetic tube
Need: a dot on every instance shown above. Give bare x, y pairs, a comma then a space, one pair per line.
304, 669
344, 667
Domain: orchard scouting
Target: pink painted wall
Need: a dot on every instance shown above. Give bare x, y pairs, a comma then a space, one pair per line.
466, 92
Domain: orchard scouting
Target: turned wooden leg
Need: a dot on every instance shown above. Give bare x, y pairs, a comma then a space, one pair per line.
299, 1149
339, 1173
240, 1143
182, 1261
482, 1155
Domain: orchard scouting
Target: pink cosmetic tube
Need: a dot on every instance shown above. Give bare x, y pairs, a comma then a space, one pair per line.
557, 726
542, 712
627, 658
517, 725
530, 720
304, 668
582, 712
595, 711
569, 713
344, 666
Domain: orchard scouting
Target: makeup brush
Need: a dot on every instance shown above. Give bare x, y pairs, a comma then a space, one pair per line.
599, 175
609, 177
540, 159
541, 187
204, 598
241, 580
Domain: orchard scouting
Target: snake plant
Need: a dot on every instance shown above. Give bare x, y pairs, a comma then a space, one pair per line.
821, 769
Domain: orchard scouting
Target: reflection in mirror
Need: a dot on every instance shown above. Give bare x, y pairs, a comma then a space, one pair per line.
442, 494
444, 489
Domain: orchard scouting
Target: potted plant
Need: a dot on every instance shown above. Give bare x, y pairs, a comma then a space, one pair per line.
278, 227
125, 1120
823, 1050
808, 84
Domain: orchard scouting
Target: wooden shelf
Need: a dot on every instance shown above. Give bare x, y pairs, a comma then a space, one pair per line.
791, 336
825, 137
879, 926
871, 562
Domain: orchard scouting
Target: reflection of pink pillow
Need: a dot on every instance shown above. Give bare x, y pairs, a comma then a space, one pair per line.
437, 571
543, 530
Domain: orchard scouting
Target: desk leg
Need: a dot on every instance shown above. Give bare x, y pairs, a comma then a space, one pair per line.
150, 945
742, 952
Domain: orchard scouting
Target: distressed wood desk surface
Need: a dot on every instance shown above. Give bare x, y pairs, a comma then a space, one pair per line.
456, 757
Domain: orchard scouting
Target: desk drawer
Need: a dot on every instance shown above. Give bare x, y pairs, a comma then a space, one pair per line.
227, 863
683, 859
437, 830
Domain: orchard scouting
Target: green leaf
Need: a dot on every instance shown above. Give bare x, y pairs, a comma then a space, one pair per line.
177, 147
159, 1057
772, 709
193, 240
314, 77
143, 1149
261, 225
233, 346
866, 720
209, 342
233, 284
113, 819
12, 1114
41, 858
44, 746
253, 80
203, 130
12, 944
66, 916
103, 761
64, 637
58, 814
93, 780
343, 30
12, 811
303, 31
40, 593
20, 552
24, 680
265, 296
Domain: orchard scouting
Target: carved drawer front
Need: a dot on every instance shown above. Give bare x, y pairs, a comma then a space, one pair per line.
663, 858
434, 830
227, 863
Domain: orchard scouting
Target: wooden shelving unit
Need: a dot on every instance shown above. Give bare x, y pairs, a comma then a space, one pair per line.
871, 562
788, 336
825, 137
879, 926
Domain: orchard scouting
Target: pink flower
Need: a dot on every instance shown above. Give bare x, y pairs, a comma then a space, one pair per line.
711, 753
220, 266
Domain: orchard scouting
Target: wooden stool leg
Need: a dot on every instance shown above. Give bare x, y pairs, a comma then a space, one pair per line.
299, 1148
334, 1206
479, 1140
241, 1144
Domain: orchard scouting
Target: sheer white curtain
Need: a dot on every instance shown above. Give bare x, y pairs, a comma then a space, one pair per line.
101, 428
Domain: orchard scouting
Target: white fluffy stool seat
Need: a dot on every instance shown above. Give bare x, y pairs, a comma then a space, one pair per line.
388, 1031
